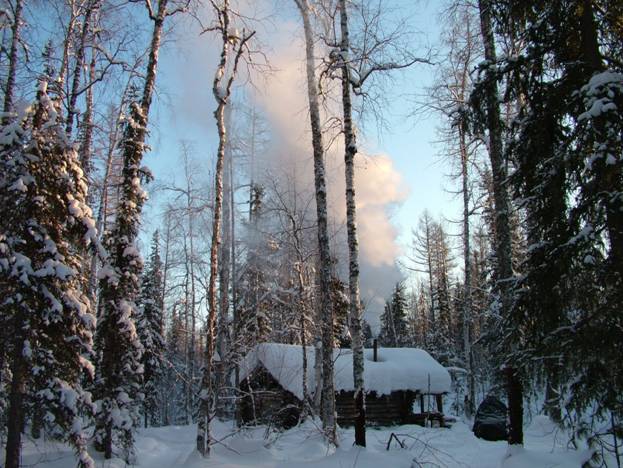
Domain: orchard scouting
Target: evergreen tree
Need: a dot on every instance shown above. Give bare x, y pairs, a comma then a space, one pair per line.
341, 332
566, 144
394, 319
45, 225
150, 330
118, 385
119, 370
257, 288
367, 334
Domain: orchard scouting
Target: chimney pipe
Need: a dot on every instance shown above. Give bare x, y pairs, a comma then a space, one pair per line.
375, 353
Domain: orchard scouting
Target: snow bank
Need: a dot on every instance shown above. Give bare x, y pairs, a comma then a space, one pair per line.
519, 457
396, 369
304, 447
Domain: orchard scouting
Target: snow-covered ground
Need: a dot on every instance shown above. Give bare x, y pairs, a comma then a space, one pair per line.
303, 447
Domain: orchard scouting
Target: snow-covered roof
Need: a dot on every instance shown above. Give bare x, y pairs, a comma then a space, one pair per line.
396, 369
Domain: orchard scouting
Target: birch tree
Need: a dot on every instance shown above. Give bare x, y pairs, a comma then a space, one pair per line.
355, 309
9, 86
233, 47
327, 412
376, 51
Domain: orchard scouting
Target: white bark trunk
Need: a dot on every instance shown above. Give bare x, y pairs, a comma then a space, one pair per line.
327, 412
350, 150
10, 80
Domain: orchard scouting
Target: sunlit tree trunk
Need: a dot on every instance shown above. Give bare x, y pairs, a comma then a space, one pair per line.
327, 411
90, 9
9, 87
350, 150
232, 50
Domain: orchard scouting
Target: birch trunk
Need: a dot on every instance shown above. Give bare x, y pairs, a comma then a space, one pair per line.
71, 24
101, 220
87, 124
206, 397
350, 150
10, 80
327, 412
75, 84
192, 291
224, 276
302, 309
85, 162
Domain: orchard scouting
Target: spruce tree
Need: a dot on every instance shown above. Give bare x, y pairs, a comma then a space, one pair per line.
341, 332
118, 385
45, 226
566, 145
119, 370
254, 324
394, 319
150, 330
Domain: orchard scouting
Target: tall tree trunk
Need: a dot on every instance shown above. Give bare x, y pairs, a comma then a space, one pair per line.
71, 24
206, 399
504, 270
327, 412
85, 161
9, 87
224, 276
191, 297
133, 150
350, 150
515, 406
15, 422
188, 353
75, 84
8, 105
467, 276
303, 330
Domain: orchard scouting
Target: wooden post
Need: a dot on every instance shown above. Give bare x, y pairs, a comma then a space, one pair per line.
375, 353
422, 403
515, 407
439, 403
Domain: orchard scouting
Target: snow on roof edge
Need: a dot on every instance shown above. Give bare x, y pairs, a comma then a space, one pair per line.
397, 369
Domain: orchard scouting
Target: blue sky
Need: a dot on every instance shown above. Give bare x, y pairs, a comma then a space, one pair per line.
184, 109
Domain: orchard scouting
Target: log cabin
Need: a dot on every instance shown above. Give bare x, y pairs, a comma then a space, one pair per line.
403, 386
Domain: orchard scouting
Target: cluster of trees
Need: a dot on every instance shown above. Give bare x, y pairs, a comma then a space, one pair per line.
429, 310
94, 337
560, 148
531, 97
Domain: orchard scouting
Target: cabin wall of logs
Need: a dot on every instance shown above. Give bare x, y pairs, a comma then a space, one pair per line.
265, 401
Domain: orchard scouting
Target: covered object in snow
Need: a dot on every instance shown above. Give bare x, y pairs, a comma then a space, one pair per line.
490, 420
